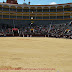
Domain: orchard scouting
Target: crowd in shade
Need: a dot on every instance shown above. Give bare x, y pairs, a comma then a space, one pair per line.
51, 30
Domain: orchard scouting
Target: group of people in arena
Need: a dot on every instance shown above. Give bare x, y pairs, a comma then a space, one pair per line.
51, 30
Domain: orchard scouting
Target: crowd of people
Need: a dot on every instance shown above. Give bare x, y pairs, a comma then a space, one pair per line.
51, 30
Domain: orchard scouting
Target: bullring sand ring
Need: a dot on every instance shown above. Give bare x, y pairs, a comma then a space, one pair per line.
22, 52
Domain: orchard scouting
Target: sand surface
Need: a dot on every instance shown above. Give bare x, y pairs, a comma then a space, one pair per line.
21, 53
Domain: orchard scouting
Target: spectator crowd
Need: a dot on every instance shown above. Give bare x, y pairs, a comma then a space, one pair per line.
51, 30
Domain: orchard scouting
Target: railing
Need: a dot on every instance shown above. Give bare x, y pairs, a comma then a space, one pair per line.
34, 12
36, 19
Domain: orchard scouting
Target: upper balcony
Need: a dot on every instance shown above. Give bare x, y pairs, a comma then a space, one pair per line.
36, 9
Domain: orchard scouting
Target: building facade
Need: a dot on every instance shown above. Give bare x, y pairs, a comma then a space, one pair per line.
12, 1
23, 14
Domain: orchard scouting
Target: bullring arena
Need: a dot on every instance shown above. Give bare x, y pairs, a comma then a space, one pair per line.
52, 54
35, 38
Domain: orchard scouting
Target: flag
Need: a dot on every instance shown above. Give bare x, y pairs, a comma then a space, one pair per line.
31, 30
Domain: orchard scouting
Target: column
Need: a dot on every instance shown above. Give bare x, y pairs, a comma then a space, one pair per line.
29, 12
16, 13
56, 8
9, 12
2, 11
49, 12
63, 12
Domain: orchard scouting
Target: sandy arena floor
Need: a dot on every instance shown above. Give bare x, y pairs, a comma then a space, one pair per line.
21, 53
